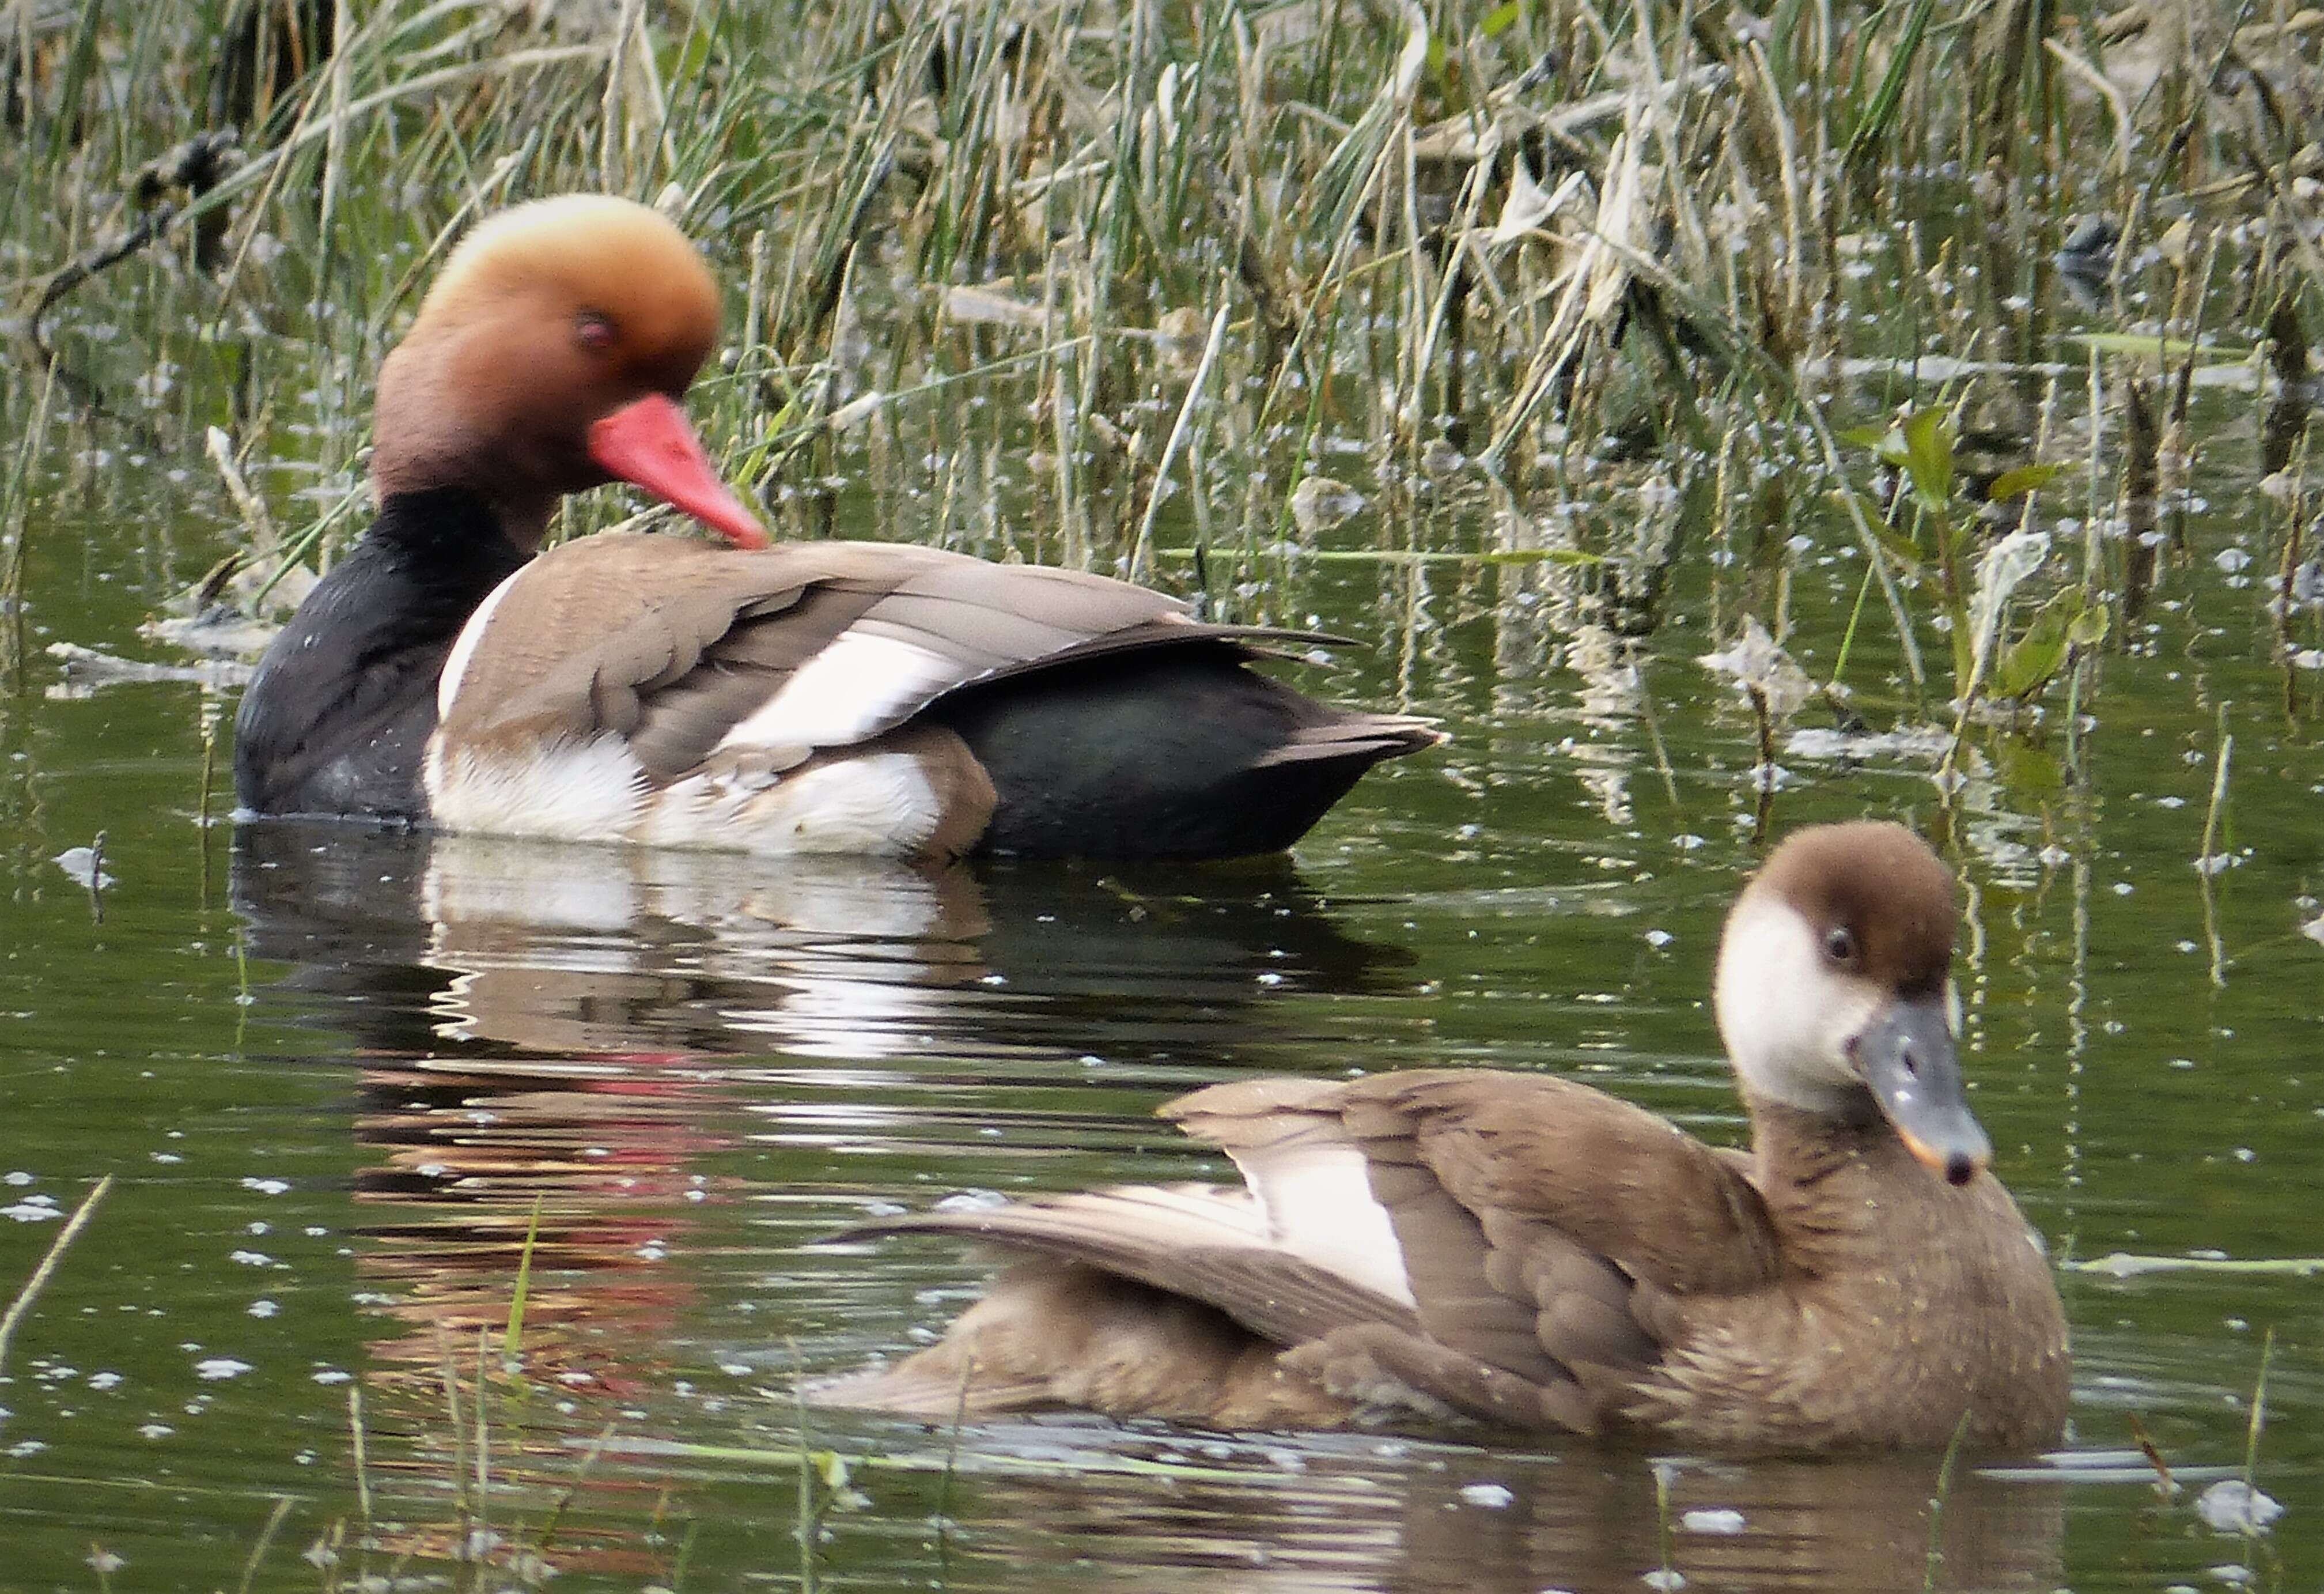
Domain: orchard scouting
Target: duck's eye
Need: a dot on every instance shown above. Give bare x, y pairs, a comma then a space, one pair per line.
593, 330
1839, 944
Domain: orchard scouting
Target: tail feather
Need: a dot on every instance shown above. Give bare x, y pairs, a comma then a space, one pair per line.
1362, 738
1049, 1336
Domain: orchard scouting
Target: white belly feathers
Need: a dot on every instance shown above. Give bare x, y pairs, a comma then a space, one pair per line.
875, 804
880, 796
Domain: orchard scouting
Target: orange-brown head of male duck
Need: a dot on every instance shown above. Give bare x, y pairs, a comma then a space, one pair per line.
552, 354
824, 697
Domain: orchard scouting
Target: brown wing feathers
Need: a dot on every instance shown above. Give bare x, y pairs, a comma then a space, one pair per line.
1189, 1240
677, 717
685, 641
1527, 1277
1606, 1174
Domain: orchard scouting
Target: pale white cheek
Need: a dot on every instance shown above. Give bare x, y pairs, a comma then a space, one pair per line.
858, 686
1786, 1015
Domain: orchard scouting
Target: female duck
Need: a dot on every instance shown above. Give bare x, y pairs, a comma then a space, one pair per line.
828, 697
1527, 1251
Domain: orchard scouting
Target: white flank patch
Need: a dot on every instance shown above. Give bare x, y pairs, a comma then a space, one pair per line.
464, 650
1319, 1206
877, 805
588, 792
857, 686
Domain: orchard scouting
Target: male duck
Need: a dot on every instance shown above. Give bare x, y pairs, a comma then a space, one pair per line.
827, 697
1530, 1252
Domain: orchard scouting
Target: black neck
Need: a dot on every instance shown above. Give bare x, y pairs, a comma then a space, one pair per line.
338, 717
450, 533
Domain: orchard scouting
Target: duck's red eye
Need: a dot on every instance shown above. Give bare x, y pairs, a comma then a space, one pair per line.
593, 330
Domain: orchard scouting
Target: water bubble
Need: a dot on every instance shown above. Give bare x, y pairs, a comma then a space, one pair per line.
973, 1201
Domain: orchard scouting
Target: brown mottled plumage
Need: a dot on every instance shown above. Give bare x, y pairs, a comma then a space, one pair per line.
1531, 1252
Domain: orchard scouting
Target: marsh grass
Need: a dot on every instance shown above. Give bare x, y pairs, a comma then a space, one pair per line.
1586, 300
1615, 247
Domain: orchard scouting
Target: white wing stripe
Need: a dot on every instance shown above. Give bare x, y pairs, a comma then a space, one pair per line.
857, 686
1319, 1206
464, 650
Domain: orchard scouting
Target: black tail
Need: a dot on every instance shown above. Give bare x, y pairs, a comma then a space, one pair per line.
1181, 751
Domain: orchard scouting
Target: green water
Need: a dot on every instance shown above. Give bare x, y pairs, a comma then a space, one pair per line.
335, 1075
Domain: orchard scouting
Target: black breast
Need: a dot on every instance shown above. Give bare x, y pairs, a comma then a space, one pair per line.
337, 718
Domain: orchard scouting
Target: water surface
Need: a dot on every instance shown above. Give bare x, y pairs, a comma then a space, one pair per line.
346, 1081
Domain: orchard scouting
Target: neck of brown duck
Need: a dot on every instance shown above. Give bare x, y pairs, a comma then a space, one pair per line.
1829, 1179
429, 433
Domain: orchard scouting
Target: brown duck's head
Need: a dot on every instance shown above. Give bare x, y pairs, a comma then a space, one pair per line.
550, 356
1835, 983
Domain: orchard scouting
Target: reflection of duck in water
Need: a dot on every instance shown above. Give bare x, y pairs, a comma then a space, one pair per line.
590, 1022
601, 951
852, 698
1527, 1251
1861, 1527
1323, 1515
597, 1028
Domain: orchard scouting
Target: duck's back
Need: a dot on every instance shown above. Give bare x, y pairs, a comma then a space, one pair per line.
1523, 1250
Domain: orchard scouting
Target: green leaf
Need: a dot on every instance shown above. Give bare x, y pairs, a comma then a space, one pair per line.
2089, 628
831, 1467
1502, 19
2026, 664
512, 1338
1868, 438
1929, 459
1901, 548
1894, 544
2024, 480
1872, 126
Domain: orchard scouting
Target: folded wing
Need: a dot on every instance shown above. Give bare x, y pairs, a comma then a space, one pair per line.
693, 652
1512, 1248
